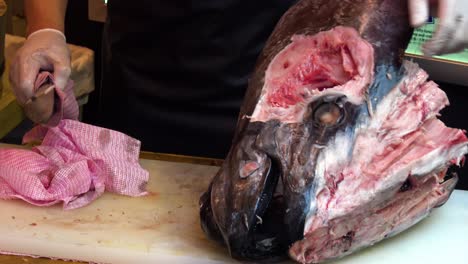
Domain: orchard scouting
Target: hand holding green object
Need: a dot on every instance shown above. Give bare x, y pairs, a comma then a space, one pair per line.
451, 34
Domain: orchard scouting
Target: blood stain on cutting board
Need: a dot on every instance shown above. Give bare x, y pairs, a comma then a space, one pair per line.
84, 222
159, 221
151, 195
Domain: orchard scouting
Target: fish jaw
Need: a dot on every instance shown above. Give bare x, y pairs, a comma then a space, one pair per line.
239, 209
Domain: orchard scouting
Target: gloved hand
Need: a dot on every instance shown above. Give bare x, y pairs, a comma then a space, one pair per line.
45, 49
451, 34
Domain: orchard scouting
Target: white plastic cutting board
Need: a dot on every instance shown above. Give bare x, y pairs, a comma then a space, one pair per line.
164, 227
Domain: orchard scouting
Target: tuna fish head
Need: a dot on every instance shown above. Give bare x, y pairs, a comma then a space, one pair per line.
338, 144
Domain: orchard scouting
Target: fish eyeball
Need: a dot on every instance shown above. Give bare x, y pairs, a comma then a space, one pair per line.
327, 114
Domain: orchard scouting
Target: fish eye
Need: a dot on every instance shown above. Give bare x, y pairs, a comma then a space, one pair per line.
328, 114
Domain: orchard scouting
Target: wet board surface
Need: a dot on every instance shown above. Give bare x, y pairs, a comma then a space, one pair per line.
164, 227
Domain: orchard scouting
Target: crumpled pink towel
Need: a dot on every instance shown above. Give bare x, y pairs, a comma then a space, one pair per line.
75, 163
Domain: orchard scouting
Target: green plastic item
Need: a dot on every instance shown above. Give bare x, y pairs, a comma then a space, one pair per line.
423, 34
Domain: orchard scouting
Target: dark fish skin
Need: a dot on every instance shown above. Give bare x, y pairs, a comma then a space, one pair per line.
243, 213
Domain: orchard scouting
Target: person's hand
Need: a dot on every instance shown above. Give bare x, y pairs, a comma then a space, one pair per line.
451, 34
46, 50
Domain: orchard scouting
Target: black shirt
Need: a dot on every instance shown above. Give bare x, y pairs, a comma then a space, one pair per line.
175, 71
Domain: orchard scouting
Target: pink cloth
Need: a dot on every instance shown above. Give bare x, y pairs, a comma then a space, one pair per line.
75, 163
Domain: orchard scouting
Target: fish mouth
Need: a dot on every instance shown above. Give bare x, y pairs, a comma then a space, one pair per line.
266, 239
256, 232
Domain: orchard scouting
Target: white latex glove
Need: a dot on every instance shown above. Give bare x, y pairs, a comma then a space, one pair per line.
451, 34
45, 49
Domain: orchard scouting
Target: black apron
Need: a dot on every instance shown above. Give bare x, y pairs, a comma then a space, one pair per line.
175, 71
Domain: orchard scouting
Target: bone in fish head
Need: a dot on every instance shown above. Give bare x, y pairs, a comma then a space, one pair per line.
338, 144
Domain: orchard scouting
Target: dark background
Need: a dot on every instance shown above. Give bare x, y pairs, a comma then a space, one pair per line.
455, 116
81, 31
84, 32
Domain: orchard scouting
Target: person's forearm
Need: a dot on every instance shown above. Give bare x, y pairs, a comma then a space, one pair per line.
45, 14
